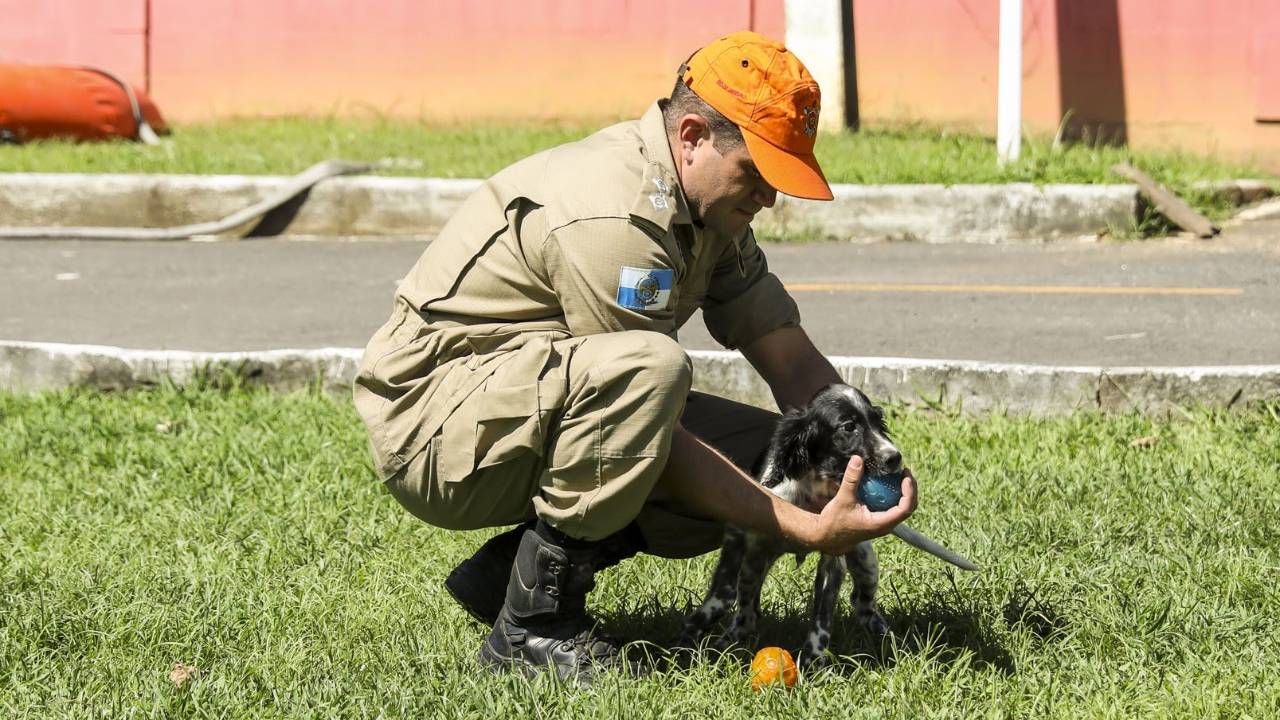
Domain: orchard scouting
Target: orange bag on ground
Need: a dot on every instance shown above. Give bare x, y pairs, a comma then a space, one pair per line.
38, 101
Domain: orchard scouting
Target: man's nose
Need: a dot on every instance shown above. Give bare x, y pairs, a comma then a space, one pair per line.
765, 195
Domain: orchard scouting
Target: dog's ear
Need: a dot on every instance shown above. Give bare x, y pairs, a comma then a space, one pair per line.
793, 441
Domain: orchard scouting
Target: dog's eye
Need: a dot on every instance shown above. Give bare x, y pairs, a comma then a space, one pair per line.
849, 427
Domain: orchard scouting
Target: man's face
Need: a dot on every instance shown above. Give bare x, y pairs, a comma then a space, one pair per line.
725, 191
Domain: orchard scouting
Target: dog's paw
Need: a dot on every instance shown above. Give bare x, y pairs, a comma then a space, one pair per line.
813, 660
735, 636
816, 652
874, 624
724, 642
690, 637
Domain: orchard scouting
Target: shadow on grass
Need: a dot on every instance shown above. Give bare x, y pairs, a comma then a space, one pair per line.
946, 633
1025, 610
946, 630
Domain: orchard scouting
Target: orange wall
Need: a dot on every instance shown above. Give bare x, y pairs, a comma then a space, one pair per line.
1196, 74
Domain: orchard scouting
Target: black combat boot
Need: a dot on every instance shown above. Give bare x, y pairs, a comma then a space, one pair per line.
544, 623
479, 583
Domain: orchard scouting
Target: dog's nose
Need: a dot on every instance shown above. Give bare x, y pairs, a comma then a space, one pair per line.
893, 461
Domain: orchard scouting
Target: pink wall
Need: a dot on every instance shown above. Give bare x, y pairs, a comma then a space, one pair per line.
1265, 53
108, 34
439, 59
1196, 74
443, 60
1199, 74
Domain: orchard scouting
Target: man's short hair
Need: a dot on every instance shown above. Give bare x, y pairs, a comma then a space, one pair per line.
725, 136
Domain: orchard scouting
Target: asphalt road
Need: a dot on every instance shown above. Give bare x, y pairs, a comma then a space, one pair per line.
1157, 302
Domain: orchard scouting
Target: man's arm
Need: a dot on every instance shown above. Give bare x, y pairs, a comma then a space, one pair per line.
792, 366
705, 482
708, 483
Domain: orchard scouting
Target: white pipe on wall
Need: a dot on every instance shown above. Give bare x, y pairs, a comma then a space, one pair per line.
1009, 104
815, 34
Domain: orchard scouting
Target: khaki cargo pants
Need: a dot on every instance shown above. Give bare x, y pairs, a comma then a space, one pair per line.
579, 442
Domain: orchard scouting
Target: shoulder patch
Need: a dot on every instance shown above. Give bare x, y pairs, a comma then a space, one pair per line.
645, 288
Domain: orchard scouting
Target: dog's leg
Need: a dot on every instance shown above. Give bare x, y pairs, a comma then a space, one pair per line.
722, 593
865, 569
755, 566
826, 595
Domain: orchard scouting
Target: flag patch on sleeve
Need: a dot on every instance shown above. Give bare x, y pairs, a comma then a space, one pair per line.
645, 288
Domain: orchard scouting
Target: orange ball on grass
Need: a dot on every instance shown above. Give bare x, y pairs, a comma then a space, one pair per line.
773, 666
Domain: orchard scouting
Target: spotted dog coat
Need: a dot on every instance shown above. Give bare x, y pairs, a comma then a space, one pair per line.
804, 465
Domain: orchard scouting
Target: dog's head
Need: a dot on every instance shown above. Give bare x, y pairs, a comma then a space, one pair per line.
818, 440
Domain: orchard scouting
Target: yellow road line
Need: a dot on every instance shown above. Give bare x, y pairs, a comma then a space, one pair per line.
1008, 289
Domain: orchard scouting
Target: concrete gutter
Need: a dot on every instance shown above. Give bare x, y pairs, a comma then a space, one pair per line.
372, 205
970, 387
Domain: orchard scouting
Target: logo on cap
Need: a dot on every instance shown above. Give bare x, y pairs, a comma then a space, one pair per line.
810, 120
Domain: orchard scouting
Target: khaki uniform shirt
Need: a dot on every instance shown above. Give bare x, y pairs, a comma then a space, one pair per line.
589, 237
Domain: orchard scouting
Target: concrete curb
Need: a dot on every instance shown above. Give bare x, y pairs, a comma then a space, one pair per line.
361, 205
954, 213
372, 205
34, 367
971, 387
1236, 192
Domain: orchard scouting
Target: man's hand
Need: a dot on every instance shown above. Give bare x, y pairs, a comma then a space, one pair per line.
845, 522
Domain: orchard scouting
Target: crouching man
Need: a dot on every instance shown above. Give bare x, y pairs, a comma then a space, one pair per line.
529, 374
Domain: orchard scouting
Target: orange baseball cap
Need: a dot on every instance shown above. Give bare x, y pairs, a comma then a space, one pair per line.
767, 92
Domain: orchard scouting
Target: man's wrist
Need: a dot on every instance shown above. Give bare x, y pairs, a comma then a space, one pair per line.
806, 529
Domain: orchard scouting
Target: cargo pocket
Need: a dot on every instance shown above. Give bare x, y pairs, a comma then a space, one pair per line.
514, 420
507, 417
456, 449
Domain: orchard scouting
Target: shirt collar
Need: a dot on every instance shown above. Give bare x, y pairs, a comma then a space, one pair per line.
660, 200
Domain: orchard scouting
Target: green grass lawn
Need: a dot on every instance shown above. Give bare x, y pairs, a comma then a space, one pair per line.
249, 539
908, 154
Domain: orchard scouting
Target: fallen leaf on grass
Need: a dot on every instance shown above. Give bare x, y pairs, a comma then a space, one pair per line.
182, 674
1145, 441
163, 427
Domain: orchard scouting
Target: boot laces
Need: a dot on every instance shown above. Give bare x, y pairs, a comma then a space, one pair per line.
592, 646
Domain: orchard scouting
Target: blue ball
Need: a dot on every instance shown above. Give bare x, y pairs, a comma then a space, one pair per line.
880, 493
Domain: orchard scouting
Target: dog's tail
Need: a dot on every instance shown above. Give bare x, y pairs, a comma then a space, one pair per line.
916, 540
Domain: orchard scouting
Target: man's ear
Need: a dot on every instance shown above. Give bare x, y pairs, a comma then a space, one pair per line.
691, 129
795, 437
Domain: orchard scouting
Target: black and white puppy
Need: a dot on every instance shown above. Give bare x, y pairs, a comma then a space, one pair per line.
805, 465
